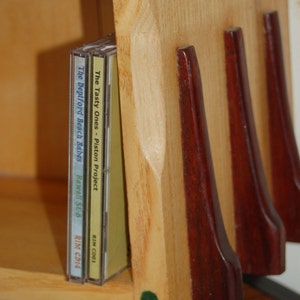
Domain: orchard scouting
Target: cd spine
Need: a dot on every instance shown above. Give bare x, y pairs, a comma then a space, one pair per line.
107, 152
76, 193
97, 233
115, 240
96, 169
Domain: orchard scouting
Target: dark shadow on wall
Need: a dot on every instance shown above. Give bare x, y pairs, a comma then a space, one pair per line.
53, 91
53, 115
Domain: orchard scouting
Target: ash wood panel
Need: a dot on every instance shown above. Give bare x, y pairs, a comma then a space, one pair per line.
209, 249
148, 34
260, 235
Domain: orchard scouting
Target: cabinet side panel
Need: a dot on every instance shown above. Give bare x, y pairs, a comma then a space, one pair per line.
34, 80
148, 34
153, 162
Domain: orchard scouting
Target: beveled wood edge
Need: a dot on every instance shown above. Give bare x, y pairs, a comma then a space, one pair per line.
260, 235
209, 249
285, 164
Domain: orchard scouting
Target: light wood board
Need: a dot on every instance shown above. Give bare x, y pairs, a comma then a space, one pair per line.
148, 34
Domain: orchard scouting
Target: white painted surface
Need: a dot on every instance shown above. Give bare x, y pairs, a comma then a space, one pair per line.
294, 17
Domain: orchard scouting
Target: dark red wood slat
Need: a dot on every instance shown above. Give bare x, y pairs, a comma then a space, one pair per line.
260, 235
215, 269
283, 149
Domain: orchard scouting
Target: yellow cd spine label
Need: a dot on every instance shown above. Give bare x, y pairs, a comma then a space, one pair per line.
97, 168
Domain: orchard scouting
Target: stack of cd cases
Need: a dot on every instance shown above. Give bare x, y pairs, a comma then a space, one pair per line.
97, 228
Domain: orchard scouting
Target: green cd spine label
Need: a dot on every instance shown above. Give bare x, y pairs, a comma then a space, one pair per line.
76, 264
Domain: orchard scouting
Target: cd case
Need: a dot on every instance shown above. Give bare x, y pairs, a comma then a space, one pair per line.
97, 225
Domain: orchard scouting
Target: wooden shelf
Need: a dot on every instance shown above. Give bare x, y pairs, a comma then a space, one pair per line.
16, 284
148, 34
34, 124
33, 245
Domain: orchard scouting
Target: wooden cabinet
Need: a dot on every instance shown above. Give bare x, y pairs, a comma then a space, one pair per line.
35, 39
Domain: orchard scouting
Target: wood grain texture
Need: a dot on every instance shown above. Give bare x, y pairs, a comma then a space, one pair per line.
153, 160
33, 246
24, 285
209, 249
33, 117
285, 162
34, 80
33, 225
260, 235
148, 34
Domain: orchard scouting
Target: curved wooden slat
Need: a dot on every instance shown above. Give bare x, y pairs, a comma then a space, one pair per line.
260, 236
285, 165
215, 269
